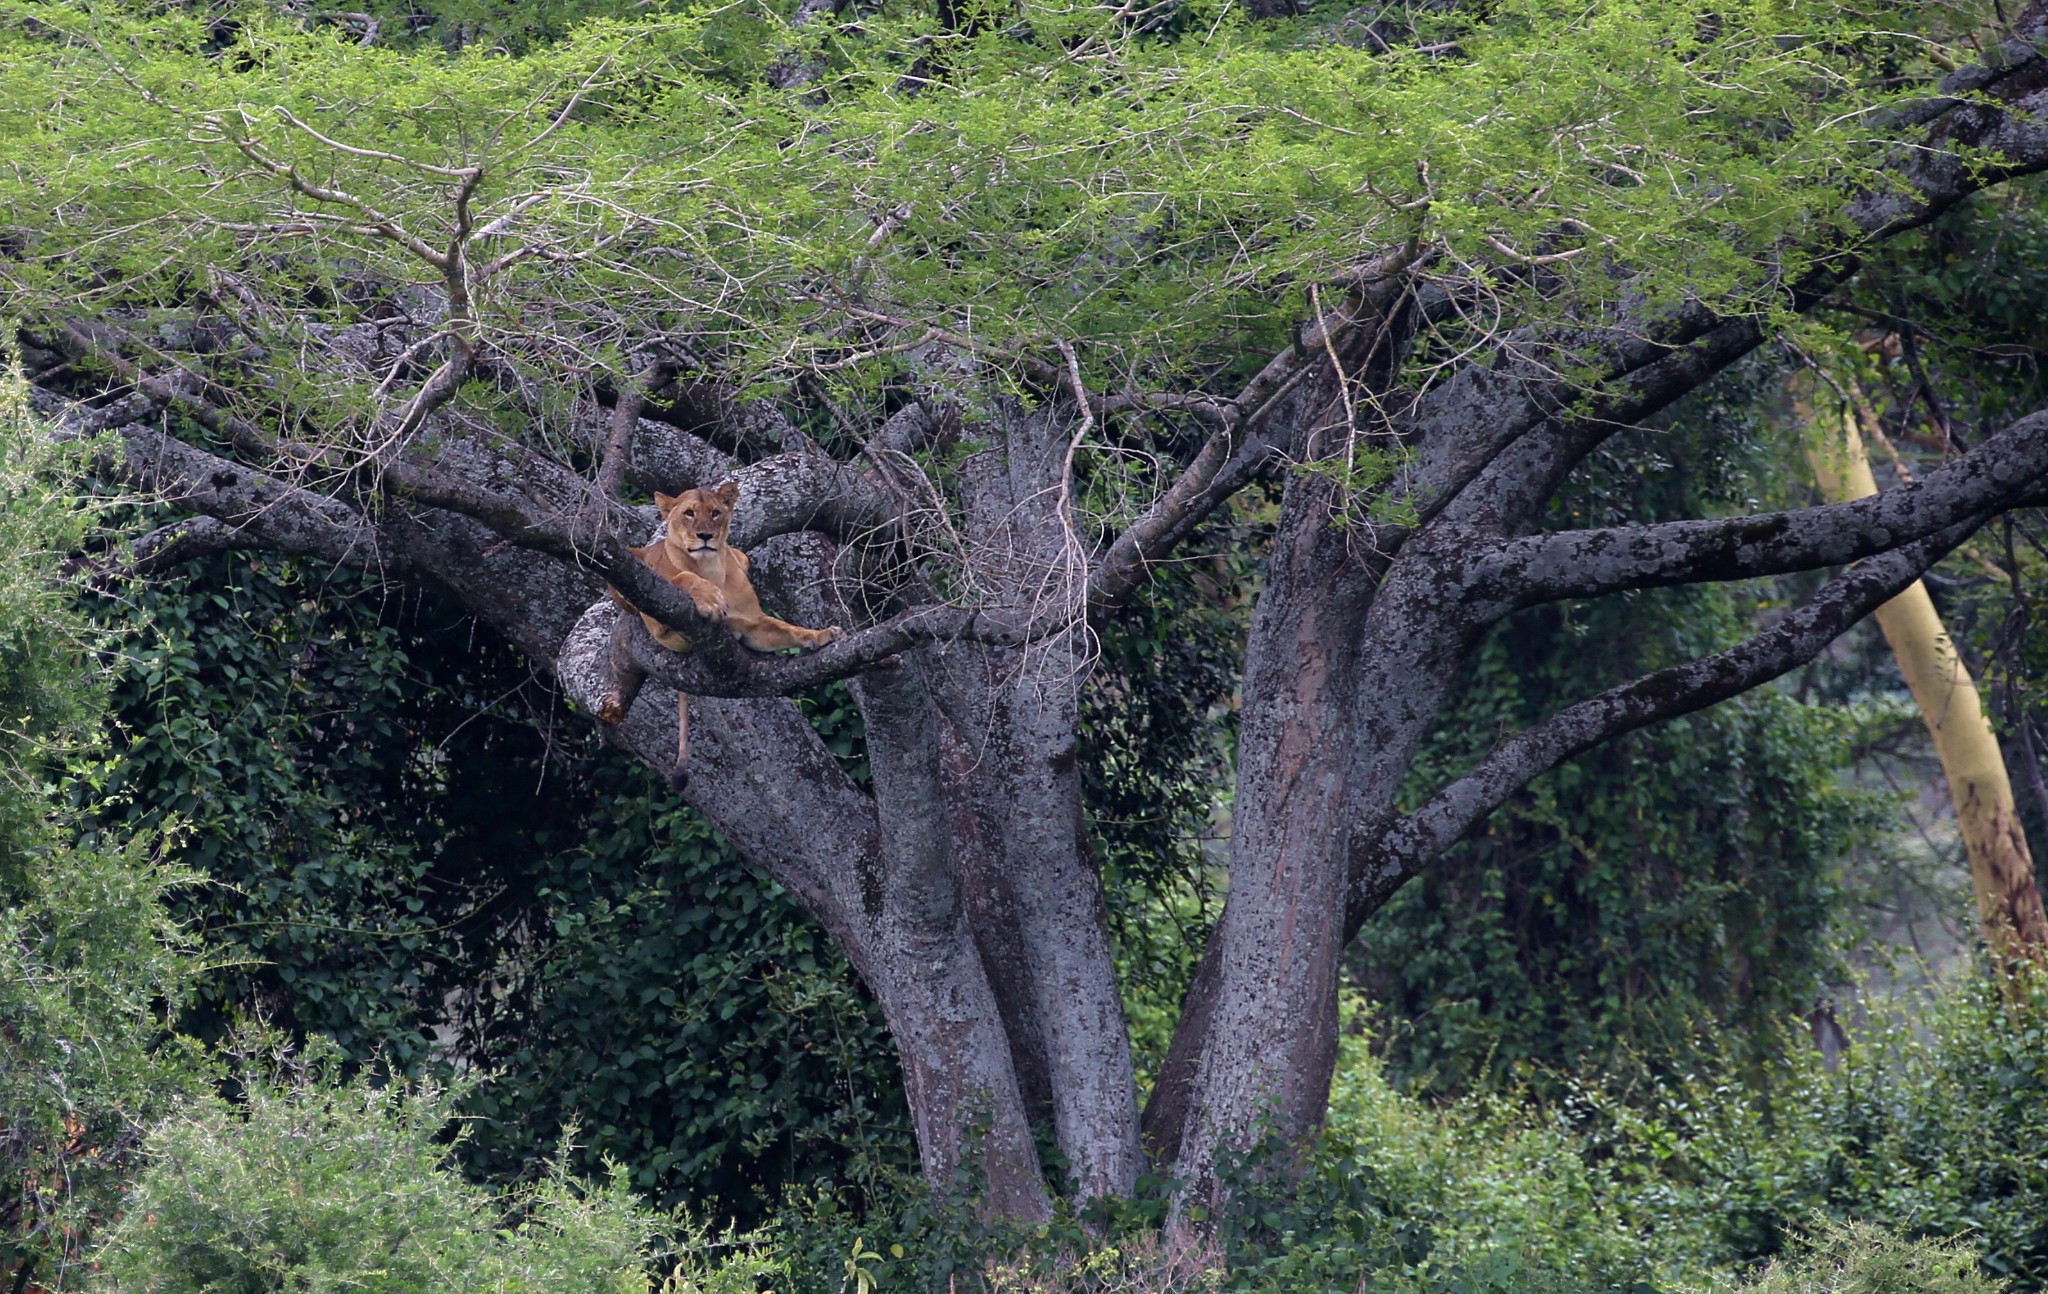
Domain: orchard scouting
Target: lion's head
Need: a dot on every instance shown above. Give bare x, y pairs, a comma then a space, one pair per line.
698, 520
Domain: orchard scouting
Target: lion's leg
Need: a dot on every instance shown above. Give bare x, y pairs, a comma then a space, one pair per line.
627, 676
766, 633
679, 776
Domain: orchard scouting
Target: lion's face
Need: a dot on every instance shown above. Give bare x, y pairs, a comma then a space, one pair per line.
698, 520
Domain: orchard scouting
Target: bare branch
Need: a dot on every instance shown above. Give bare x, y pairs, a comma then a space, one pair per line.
625, 419
386, 225
451, 172
1588, 563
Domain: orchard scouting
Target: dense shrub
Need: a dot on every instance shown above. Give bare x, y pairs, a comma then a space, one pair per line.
312, 1185
1933, 1125
1918, 1159
1854, 1258
91, 964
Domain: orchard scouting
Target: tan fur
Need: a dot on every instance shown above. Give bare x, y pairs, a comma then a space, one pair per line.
695, 557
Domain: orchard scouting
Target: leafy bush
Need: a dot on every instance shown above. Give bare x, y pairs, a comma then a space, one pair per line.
1932, 1125
313, 1185
1853, 1258
91, 964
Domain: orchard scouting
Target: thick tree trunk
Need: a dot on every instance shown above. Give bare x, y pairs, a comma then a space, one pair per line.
879, 875
1349, 661
1266, 1053
941, 1007
1039, 893
1010, 722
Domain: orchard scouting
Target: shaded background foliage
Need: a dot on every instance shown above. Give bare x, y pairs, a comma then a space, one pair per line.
414, 856
1676, 883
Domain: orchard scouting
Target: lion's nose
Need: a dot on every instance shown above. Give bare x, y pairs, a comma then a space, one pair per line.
704, 534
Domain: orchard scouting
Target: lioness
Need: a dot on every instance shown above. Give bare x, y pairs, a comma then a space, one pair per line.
695, 557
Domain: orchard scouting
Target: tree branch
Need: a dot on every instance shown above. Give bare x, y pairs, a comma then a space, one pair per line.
1417, 839
1236, 453
1523, 572
613, 463
258, 510
745, 673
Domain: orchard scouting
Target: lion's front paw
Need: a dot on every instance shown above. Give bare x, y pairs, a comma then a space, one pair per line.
820, 637
610, 709
711, 605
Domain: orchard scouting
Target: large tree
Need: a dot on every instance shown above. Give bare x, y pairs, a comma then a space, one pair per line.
988, 311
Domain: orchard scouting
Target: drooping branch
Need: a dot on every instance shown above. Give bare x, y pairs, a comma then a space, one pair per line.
1392, 856
1526, 571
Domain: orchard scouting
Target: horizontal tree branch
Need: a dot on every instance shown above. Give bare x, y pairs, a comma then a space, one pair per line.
1514, 573
181, 541
1387, 858
746, 673
257, 510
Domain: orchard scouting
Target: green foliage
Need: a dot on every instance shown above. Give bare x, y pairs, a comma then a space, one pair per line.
1676, 883
417, 857
1931, 1125
1476, 1196
91, 963
1914, 1165
1157, 195
1856, 1259
47, 701
313, 1184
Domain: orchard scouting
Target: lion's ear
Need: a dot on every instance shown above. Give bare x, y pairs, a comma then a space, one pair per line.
729, 493
664, 502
